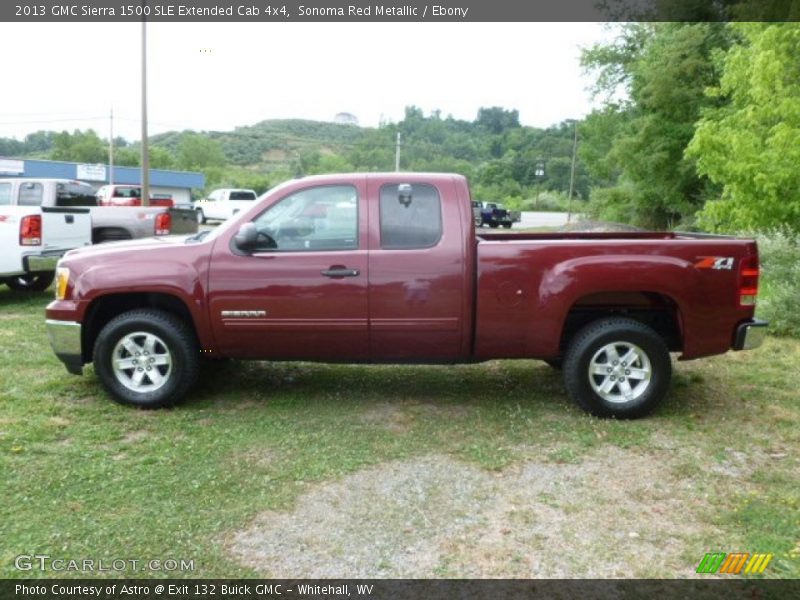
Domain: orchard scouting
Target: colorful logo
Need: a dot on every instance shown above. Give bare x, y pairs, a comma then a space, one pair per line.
735, 563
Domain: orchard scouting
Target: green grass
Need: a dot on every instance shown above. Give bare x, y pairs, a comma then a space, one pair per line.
84, 477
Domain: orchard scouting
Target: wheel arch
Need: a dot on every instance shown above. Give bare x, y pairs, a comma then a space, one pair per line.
659, 311
104, 308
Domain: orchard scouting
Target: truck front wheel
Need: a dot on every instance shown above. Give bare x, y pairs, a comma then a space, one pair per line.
31, 282
617, 367
146, 358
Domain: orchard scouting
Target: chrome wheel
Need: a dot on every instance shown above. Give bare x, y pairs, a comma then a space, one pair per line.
620, 372
141, 362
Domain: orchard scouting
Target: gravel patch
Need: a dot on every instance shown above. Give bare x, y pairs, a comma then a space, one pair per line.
618, 514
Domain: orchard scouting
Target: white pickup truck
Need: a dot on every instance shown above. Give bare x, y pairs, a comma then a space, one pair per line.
32, 239
222, 204
109, 223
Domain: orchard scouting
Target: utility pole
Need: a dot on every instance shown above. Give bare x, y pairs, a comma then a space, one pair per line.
145, 161
572, 171
397, 153
111, 147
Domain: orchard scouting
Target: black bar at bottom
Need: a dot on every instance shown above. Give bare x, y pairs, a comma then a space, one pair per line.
731, 587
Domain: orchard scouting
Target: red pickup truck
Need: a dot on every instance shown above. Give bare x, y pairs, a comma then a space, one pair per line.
388, 268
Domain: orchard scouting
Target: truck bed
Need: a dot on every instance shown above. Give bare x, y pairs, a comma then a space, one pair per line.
546, 279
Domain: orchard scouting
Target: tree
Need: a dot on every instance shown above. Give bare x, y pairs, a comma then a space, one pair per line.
749, 145
496, 120
664, 68
82, 147
198, 152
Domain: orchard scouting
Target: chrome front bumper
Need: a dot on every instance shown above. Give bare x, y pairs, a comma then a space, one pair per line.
750, 335
65, 340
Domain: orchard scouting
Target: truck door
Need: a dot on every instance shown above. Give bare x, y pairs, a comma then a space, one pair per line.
302, 294
417, 273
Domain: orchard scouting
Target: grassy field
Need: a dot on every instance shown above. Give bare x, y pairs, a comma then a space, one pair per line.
261, 448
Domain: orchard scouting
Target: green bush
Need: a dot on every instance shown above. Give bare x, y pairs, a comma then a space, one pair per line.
779, 297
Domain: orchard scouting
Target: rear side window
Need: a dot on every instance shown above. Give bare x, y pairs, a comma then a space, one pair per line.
75, 194
411, 216
30, 194
5, 193
242, 196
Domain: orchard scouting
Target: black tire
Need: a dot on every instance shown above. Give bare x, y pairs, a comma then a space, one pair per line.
507, 225
201, 217
636, 389
31, 282
494, 225
174, 338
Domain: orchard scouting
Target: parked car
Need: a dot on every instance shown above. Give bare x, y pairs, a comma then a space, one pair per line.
388, 268
222, 204
109, 223
494, 215
129, 195
32, 239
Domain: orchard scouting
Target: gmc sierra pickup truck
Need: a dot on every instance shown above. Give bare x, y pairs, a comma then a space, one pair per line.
388, 268
109, 223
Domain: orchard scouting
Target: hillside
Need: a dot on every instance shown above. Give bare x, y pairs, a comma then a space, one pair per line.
274, 145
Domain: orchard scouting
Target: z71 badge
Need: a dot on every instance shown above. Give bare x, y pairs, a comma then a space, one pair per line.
719, 263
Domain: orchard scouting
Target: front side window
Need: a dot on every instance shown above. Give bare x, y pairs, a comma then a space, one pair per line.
319, 218
5, 193
411, 216
30, 194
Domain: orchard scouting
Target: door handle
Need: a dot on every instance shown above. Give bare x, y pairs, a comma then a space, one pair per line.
340, 272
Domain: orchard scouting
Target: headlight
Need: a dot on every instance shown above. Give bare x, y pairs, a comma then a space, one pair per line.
62, 279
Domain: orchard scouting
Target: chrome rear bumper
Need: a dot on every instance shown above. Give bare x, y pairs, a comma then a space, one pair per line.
750, 335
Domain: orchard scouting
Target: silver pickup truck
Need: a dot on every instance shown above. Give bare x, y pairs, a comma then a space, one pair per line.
109, 223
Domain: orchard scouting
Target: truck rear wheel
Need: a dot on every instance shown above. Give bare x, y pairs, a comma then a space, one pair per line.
201, 217
146, 358
617, 368
31, 282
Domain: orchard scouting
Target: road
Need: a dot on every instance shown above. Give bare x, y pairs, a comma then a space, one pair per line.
542, 219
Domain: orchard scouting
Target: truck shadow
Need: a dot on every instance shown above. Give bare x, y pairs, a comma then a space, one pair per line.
297, 383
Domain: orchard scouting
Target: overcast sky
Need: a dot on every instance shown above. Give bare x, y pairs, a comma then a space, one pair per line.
216, 76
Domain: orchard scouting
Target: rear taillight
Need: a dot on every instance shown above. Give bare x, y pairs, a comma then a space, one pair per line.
163, 223
30, 231
748, 280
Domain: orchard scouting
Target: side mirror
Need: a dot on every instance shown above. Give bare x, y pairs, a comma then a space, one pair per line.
246, 238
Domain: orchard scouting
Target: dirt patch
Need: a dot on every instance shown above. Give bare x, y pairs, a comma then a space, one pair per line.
400, 417
614, 515
134, 437
391, 417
